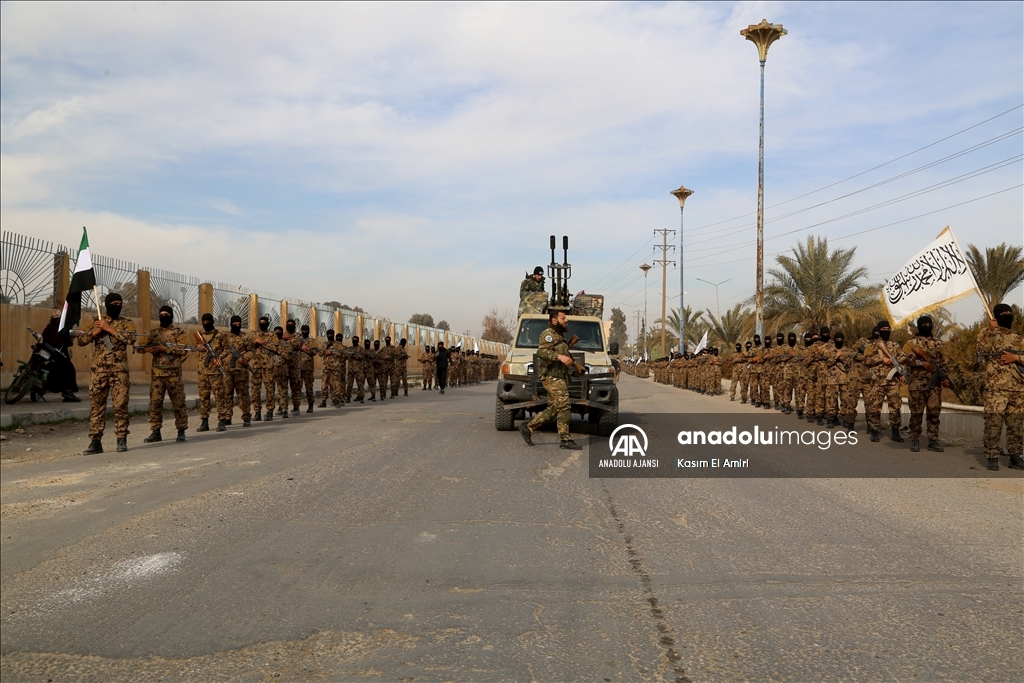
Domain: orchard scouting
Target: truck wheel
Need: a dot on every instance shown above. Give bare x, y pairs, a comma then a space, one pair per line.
503, 419
609, 419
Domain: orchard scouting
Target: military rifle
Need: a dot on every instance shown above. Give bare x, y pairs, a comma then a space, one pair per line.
897, 369
939, 376
210, 355
1018, 365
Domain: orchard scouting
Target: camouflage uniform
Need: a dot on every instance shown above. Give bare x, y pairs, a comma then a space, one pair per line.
307, 350
331, 377
427, 365
262, 364
816, 375
879, 388
555, 378
109, 376
294, 368
237, 376
531, 285
838, 398
211, 377
1004, 394
387, 369
921, 397
166, 377
284, 366
356, 371
401, 373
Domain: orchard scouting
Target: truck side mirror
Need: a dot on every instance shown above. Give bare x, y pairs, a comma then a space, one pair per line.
613, 348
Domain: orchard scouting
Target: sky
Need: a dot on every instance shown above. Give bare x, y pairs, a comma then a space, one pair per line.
415, 157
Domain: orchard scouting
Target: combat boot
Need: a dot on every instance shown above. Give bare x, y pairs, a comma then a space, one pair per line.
874, 434
373, 399
848, 426
992, 464
799, 414
743, 400
1016, 462
570, 445
296, 411
406, 392
323, 403
309, 409
204, 425
268, 418
732, 398
934, 445
394, 394
95, 446
122, 444
361, 400
896, 435
337, 404
821, 421
810, 418
154, 437
829, 423
258, 417
181, 436
246, 423
228, 422
222, 426
915, 446
282, 413
527, 434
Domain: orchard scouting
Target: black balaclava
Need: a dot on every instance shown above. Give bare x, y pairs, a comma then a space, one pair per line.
757, 340
884, 330
402, 342
748, 345
366, 344
207, 322
792, 339
376, 344
1003, 314
264, 323
808, 339
767, 342
305, 331
387, 341
839, 340
355, 341
290, 326
780, 339
739, 347
874, 333
113, 310
279, 332
330, 335
924, 326
166, 316
823, 334
715, 351
236, 324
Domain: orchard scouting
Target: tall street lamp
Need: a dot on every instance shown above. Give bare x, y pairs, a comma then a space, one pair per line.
718, 306
681, 194
762, 35
645, 267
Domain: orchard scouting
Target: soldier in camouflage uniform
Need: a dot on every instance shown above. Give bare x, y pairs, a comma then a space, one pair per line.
745, 371
387, 358
401, 375
110, 338
281, 366
263, 342
165, 343
330, 378
373, 367
427, 365
734, 362
294, 368
356, 370
878, 355
211, 374
238, 351
1004, 388
814, 362
555, 363
921, 370
840, 407
533, 283
308, 349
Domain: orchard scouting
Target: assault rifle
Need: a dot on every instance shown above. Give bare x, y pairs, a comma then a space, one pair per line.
939, 375
897, 369
1018, 365
210, 355
145, 348
578, 368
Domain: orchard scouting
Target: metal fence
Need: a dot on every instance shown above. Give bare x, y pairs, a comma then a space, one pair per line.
180, 292
228, 301
28, 269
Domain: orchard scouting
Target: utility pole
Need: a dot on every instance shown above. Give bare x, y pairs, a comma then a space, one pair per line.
665, 246
681, 194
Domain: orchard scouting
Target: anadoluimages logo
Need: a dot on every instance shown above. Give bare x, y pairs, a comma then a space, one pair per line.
628, 443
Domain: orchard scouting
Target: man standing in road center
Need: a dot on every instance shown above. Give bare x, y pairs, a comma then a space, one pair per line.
555, 362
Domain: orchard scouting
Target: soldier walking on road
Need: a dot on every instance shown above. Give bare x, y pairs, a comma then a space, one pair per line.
294, 368
555, 361
1004, 389
165, 343
110, 338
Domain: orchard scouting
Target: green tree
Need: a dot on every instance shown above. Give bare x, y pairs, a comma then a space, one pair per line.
618, 332
998, 271
693, 327
424, 319
815, 287
736, 325
443, 325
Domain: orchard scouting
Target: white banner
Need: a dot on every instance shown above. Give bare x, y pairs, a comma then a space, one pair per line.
936, 276
702, 344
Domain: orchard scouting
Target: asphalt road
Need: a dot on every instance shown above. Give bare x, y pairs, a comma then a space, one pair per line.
411, 541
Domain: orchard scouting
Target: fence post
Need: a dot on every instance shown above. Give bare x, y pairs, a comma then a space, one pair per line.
338, 330
205, 299
254, 311
142, 298
284, 312
314, 324
376, 329
61, 278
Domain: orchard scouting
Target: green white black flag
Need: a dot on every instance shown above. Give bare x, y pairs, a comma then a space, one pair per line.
83, 280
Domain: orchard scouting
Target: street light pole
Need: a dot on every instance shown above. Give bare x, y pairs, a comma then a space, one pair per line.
645, 267
681, 194
762, 35
718, 306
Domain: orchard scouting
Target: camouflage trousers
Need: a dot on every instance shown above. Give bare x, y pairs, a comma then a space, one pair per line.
840, 402
355, 376
756, 388
874, 394
1004, 407
737, 380
306, 383
295, 384
920, 401
262, 378
209, 385
236, 383
379, 378
558, 408
172, 386
115, 385
428, 377
282, 381
400, 377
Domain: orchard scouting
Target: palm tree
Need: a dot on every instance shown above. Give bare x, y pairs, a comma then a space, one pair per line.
693, 326
735, 326
815, 287
998, 272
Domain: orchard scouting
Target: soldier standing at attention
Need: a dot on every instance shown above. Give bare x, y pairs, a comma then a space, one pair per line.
533, 283
165, 344
111, 335
237, 348
401, 368
1004, 389
555, 361
282, 362
921, 357
387, 356
308, 349
330, 385
210, 376
356, 366
294, 371
262, 368
427, 363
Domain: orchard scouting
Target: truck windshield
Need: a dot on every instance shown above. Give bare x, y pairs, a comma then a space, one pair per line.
589, 333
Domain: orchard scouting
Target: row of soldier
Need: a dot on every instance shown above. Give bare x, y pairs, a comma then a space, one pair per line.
442, 368
262, 370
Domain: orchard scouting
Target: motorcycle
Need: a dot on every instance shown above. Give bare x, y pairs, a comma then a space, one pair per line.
31, 376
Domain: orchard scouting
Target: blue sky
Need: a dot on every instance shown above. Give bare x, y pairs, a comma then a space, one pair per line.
415, 157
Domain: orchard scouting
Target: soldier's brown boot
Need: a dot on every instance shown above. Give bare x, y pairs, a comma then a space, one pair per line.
181, 435
122, 444
95, 446
153, 437
992, 464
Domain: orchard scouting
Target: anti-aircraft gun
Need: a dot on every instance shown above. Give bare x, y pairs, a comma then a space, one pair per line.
593, 394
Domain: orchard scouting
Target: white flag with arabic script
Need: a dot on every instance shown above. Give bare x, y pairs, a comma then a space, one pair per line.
703, 343
937, 275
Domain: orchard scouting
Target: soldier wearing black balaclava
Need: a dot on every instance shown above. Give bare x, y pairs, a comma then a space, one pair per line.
735, 361
814, 363
264, 357
330, 377
745, 371
166, 344
291, 344
922, 356
282, 361
880, 387
237, 352
1004, 388
840, 408
401, 375
110, 338
787, 364
757, 388
356, 371
210, 376
307, 349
